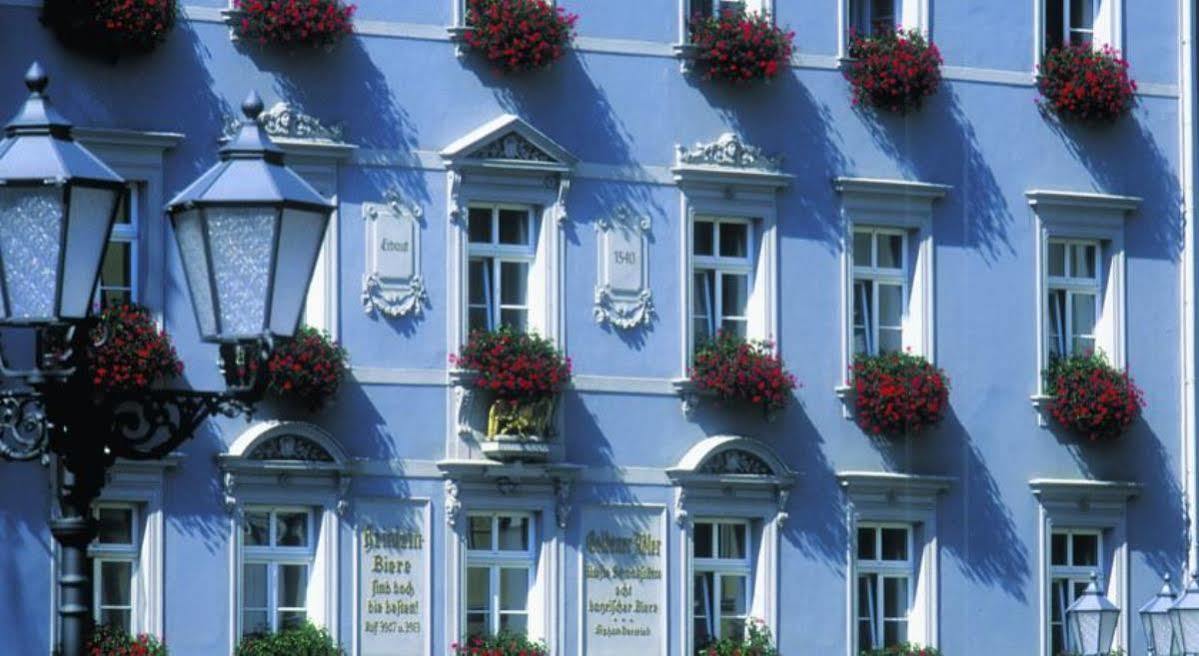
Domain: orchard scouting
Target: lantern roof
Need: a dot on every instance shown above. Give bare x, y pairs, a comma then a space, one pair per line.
1162, 601
251, 172
1092, 600
1189, 599
39, 147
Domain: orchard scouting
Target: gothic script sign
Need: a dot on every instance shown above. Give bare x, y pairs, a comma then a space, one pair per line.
623, 552
392, 284
393, 578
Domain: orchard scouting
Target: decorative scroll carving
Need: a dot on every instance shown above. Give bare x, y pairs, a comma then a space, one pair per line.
453, 202
229, 492
392, 284
622, 294
562, 508
453, 505
511, 146
289, 447
782, 494
466, 398
729, 151
681, 516
343, 495
284, 121
24, 434
736, 461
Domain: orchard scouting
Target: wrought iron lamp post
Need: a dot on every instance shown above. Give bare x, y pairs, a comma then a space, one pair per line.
1091, 620
1155, 620
249, 232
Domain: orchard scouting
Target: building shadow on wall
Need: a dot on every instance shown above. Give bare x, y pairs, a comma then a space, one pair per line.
956, 159
588, 445
976, 526
1124, 158
25, 536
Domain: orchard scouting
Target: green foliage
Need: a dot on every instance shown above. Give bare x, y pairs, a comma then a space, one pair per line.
304, 640
513, 365
502, 644
757, 642
906, 649
112, 641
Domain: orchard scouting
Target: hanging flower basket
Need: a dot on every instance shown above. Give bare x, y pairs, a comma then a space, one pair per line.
735, 369
524, 372
1085, 84
519, 35
111, 641
898, 394
501, 644
893, 70
309, 367
757, 642
1091, 398
739, 46
128, 351
294, 23
110, 28
906, 649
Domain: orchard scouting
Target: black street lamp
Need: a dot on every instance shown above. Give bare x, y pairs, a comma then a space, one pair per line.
249, 231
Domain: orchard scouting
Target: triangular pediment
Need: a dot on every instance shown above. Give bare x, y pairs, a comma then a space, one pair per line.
509, 141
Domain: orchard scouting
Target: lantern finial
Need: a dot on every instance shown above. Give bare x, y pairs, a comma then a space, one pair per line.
252, 106
36, 78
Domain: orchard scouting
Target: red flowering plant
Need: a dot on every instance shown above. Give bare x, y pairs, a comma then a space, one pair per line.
1085, 83
308, 367
128, 351
739, 46
756, 642
1091, 398
905, 649
300, 23
736, 369
525, 372
898, 394
519, 35
503, 644
110, 27
112, 641
893, 70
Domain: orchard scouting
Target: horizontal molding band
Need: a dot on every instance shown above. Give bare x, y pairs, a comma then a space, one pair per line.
441, 378
427, 469
428, 160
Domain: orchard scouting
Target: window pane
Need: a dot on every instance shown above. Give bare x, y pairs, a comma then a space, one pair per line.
1083, 314
1056, 589
254, 621
734, 240
895, 633
514, 533
1081, 16
115, 271
514, 588
116, 617
479, 535
733, 594
702, 538
890, 305
1057, 259
476, 289
514, 227
116, 580
732, 541
866, 543
861, 249
1054, 23
732, 627
867, 604
702, 240
480, 225
1056, 315
514, 283
291, 529
124, 212
1086, 550
737, 327
734, 295
882, 14
895, 544
116, 526
293, 585
865, 637
895, 597
253, 585
514, 623
517, 320
478, 588
479, 319
291, 619
701, 7
890, 340
476, 624
256, 532
703, 291
890, 251
1083, 261
863, 308
1058, 553
702, 611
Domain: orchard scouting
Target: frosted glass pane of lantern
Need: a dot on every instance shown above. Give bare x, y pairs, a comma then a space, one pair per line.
241, 241
300, 237
30, 231
1086, 626
91, 210
1162, 634
189, 232
1107, 630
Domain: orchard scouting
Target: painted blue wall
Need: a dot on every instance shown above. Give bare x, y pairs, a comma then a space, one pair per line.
985, 139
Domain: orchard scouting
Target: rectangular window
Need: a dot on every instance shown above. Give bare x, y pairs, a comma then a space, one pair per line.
722, 273
723, 577
886, 574
1074, 556
1070, 22
278, 546
873, 16
1073, 302
114, 555
118, 272
500, 572
880, 281
715, 7
502, 249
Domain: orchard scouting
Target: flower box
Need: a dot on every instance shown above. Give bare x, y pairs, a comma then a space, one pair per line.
893, 70
308, 368
906, 649
293, 23
1086, 84
898, 394
734, 369
518, 35
504, 643
1091, 398
111, 641
757, 642
739, 46
128, 352
110, 28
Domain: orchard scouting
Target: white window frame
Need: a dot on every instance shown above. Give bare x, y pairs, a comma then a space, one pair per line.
878, 499
909, 14
127, 233
273, 556
1086, 505
720, 266
499, 253
495, 559
1079, 216
876, 276
1107, 29
1071, 574
721, 567
105, 552
887, 569
1072, 285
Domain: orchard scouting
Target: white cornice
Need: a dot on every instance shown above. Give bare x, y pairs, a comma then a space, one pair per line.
1082, 200
1065, 489
127, 138
889, 187
873, 481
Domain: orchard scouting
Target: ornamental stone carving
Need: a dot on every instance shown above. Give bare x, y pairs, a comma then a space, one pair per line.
622, 294
514, 147
284, 121
562, 507
453, 505
729, 151
392, 284
289, 447
736, 461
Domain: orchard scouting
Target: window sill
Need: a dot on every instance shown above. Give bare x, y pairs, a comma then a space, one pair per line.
687, 54
1040, 403
458, 34
846, 394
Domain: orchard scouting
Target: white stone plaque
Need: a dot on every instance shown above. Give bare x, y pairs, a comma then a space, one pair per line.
393, 578
392, 283
622, 294
623, 551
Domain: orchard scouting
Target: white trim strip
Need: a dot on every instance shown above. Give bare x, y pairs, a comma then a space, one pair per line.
441, 378
428, 469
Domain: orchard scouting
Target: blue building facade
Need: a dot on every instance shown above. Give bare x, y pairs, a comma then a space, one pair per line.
625, 209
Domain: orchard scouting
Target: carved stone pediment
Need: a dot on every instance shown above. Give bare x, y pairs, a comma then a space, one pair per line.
731, 152
285, 121
736, 461
289, 447
511, 146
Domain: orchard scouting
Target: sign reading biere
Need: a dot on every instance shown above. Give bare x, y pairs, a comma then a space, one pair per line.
624, 584
393, 572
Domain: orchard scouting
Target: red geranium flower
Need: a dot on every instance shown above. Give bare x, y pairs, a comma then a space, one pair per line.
739, 370
516, 366
898, 393
519, 35
739, 46
893, 70
1086, 84
304, 23
1091, 398
128, 352
111, 27
309, 367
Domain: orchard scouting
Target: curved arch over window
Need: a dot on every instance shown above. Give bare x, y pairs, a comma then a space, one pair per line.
731, 455
287, 440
